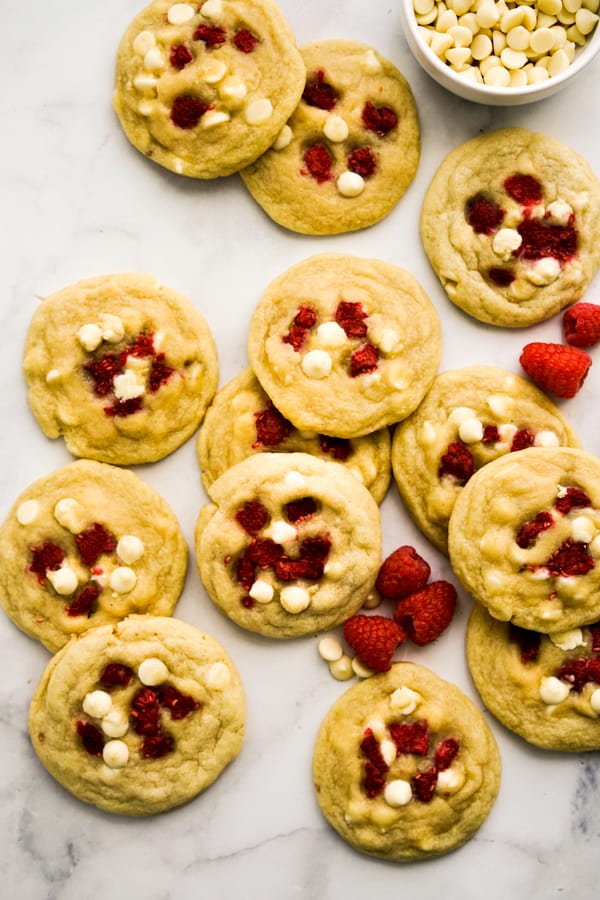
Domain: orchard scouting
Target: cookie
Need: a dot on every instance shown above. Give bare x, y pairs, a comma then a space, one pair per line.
469, 417
139, 717
344, 345
511, 226
242, 421
350, 149
120, 366
290, 545
203, 89
546, 688
405, 766
524, 538
86, 546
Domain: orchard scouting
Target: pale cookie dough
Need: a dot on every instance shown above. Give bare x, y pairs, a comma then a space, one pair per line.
290, 545
469, 417
511, 226
349, 151
204, 88
546, 688
405, 766
242, 421
345, 345
139, 717
86, 546
524, 538
120, 366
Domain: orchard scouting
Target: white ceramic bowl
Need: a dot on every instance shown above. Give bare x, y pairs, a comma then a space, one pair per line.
482, 93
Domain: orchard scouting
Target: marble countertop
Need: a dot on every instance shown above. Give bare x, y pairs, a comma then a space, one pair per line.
78, 201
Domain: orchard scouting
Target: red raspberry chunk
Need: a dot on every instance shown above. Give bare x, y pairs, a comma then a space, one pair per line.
93, 542
573, 498
570, 559
320, 93
375, 766
351, 317
541, 238
402, 573
271, 427
364, 360
116, 675
187, 111
528, 642
445, 753
483, 215
91, 737
83, 603
411, 737
179, 705
211, 35
252, 517
380, 119
491, 434
304, 508
423, 784
525, 189
180, 56
155, 746
362, 160
245, 40
501, 277
457, 463
338, 448
522, 439
46, 557
145, 712
529, 532
318, 162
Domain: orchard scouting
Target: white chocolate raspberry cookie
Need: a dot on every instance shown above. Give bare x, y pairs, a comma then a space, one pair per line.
545, 688
524, 538
86, 546
242, 421
511, 226
344, 345
405, 766
469, 417
349, 151
120, 366
204, 88
290, 545
139, 717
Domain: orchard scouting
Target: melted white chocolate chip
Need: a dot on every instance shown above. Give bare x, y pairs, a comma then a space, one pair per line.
283, 138
259, 111
71, 515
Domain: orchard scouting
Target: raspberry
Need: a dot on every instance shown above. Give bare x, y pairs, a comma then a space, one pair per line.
556, 368
160, 373
501, 277
156, 745
375, 767
271, 427
402, 573
304, 508
445, 753
320, 93
351, 317
573, 498
180, 56
364, 360
483, 215
525, 189
179, 705
423, 784
522, 439
457, 462
581, 325
305, 319
211, 35
318, 161
84, 601
244, 40
93, 542
373, 639
91, 737
252, 517
541, 239
529, 532
339, 448
362, 161
595, 634
187, 111
121, 408
47, 557
145, 712
576, 672
116, 675
491, 434
410, 737
425, 614
571, 558
380, 119
528, 641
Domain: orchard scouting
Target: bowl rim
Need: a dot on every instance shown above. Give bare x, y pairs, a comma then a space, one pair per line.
443, 73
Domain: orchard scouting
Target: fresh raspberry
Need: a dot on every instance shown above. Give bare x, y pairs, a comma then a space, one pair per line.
425, 614
320, 93
457, 462
581, 325
402, 573
373, 639
556, 368
380, 119
525, 189
411, 737
528, 642
483, 215
529, 532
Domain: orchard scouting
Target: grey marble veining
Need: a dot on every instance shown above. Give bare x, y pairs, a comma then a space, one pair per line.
78, 201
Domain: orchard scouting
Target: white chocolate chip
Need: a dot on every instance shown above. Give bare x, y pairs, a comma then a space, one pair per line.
180, 13
543, 271
261, 591
143, 42
52, 375
233, 89
212, 71
350, 184
294, 599
63, 580
388, 751
145, 82
214, 117
27, 512
71, 515
377, 726
330, 649
568, 640
281, 532
449, 780
115, 754
152, 671
259, 111
595, 700
370, 62
460, 413
212, 9
122, 579
341, 668
112, 328
388, 340
127, 385
553, 690
397, 793
283, 138
546, 439
582, 529
294, 479
335, 128
360, 669
505, 242
560, 212
130, 548
470, 431
154, 60
218, 676
97, 704
90, 336
316, 364
330, 334
404, 700
115, 723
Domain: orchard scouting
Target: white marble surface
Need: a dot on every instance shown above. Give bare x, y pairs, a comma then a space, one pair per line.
77, 201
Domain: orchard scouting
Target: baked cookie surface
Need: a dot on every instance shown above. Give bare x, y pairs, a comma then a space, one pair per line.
242, 421
524, 538
545, 688
405, 766
469, 417
350, 149
86, 546
344, 345
203, 89
511, 226
120, 366
290, 544
139, 717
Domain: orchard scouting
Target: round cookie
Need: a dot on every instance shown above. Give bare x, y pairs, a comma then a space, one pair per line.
242, 421
546, 688
350, 149
345, 345
139, 717
405, 766
469, 417
86, 546
511, 226
120, 366
290, 545
203, 89
524, 538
